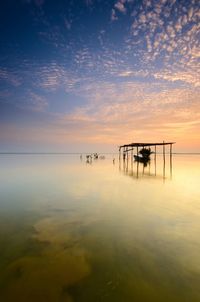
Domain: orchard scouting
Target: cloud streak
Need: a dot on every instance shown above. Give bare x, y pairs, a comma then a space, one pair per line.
131, 71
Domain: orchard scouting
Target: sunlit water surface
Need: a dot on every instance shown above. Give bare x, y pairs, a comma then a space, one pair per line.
77, 231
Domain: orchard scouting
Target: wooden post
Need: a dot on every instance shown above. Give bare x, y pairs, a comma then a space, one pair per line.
155, 160
164, 151
149, 163
163, 171
137, 173
163, 162
127, 158
137, 151
170, 149
132, 158
170, 161
124, 157
120, 158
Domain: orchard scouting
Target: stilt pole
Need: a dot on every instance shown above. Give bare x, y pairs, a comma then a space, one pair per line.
164, 151
170, 161
163, 161
132, 158
127, 158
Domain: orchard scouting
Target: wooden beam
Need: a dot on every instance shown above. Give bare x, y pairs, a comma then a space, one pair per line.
147, 144
127, 150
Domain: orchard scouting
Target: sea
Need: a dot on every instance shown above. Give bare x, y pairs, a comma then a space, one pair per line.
78, 229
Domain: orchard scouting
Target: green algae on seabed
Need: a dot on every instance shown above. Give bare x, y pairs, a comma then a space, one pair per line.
125, 267
132, 269
47, 275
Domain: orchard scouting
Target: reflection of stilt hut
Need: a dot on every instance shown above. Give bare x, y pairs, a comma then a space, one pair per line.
124, 155
142, 155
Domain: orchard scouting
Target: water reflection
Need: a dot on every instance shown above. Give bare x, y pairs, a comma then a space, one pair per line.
76, 232
143, 167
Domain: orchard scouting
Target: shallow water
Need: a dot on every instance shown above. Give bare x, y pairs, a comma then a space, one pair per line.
75, 231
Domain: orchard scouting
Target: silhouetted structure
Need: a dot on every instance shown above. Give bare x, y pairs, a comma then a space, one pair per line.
143, 152
129, 148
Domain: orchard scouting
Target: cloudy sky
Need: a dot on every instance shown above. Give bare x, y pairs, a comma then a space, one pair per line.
88, 75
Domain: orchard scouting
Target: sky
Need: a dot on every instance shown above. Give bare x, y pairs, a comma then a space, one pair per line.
90, 75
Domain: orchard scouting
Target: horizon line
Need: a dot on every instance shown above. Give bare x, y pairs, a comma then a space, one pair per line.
79, 153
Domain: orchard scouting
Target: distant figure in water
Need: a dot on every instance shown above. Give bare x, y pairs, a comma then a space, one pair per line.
113, 161
89, 159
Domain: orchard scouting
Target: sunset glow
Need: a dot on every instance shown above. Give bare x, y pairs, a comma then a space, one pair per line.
91, 75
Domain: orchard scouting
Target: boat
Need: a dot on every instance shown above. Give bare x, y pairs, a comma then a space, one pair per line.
141, 158
144, 156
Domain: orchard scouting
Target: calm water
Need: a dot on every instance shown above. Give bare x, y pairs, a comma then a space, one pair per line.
72, 231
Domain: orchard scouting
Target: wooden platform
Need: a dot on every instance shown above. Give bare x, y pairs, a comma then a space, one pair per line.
146, 144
